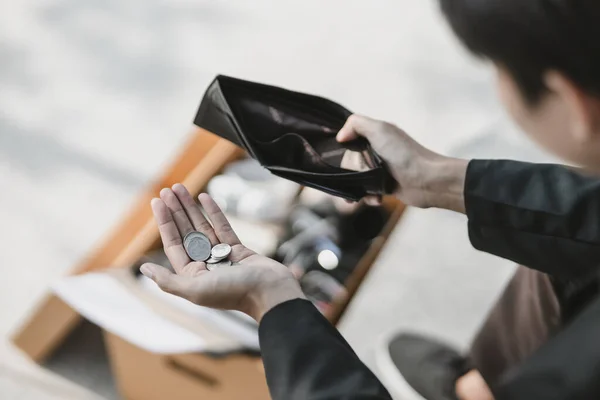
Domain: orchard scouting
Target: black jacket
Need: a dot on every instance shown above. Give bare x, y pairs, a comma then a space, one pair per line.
544, 216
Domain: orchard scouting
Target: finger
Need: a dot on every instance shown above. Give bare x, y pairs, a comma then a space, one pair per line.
194, 213
221, 225
169, 235
167, 281
182, 221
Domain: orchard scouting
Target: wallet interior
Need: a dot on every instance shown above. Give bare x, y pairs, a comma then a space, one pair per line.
290, 134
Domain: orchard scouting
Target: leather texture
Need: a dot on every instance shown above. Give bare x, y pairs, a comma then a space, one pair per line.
292, 135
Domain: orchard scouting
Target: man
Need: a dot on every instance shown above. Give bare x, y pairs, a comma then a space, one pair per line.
540, 340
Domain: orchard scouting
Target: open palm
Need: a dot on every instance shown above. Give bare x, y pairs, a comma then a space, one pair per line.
234, 287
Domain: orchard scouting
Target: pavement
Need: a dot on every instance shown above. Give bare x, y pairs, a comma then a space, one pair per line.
97, 96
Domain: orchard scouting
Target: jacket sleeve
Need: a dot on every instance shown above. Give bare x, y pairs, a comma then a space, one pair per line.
306, 358
544, 216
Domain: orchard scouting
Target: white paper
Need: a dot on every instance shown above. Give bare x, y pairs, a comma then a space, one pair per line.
260, 237
104, 301
236, 324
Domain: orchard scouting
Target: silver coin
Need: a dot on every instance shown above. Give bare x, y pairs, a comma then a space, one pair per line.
197, 246
221, 251
214, 260
221, 264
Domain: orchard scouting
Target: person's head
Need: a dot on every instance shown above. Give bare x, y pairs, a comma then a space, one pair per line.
547, 53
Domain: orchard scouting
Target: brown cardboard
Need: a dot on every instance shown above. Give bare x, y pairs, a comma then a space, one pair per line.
145, 376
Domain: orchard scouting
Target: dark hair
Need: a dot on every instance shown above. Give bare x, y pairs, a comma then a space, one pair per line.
529, 37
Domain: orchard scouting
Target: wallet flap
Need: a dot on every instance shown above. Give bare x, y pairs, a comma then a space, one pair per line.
215, 116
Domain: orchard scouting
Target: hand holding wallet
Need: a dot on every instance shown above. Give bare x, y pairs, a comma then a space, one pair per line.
293, 135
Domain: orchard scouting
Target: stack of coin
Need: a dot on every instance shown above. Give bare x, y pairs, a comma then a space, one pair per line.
197, 246
218, 256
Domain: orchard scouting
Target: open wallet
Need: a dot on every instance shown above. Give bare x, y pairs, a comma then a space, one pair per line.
293, 135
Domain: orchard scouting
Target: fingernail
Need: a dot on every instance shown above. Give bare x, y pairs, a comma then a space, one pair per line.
154, 204
147, 271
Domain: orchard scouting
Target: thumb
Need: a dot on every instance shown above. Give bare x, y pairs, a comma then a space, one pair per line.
166, 280
358, 125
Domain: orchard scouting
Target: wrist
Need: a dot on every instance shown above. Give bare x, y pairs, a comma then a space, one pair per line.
444, 183
271, 293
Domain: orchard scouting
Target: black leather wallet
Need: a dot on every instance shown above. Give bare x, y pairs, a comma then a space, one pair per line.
293, 135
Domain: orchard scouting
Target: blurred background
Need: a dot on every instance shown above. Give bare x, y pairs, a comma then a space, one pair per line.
97, 97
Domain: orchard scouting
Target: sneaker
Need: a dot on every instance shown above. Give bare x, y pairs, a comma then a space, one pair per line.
415, 367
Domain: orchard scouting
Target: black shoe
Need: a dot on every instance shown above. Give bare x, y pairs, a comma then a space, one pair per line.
416, 367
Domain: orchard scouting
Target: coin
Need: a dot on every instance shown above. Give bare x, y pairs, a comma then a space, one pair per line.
221, 264
213, 260
197, 246
221, 251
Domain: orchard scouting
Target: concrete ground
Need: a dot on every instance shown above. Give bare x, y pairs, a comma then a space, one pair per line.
97, 96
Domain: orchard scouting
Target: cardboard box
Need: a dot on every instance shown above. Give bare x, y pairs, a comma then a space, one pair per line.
142, 375
146, 375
